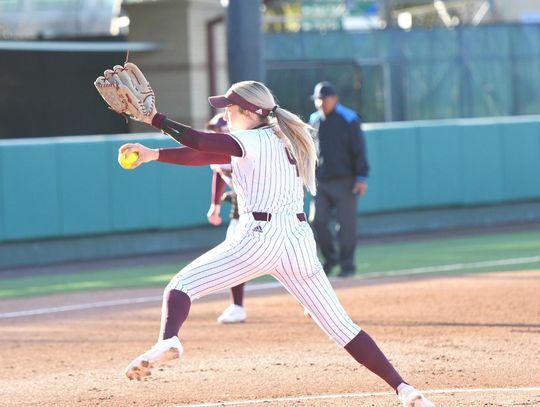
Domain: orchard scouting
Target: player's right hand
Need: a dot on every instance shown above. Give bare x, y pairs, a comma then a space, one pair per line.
145, 154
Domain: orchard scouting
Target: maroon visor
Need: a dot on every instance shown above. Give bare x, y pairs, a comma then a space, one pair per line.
231, 98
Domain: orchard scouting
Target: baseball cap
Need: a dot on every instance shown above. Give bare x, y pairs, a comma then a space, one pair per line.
231, 98
323, 89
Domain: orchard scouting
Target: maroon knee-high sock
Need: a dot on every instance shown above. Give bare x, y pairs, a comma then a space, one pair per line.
174, 312
365, 351
237, 294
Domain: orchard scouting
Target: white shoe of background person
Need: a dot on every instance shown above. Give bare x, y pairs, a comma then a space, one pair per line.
163, 351
410, 397
233, 314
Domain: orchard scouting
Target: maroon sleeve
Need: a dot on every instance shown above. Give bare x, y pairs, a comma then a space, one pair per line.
220, 143
188, 156
218, 188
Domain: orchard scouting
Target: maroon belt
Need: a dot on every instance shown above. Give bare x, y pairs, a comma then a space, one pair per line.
266, 217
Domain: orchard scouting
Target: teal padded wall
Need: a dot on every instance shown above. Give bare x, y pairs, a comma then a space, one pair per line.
30, 181
2, 195
85, 203
521, 164
184, 193
398, 157
372, 200
62, 187
134, 193
439, 159
481, 163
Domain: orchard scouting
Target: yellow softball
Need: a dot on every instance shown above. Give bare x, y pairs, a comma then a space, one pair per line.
127, 162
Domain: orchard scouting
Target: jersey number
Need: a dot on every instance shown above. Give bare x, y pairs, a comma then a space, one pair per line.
292, 160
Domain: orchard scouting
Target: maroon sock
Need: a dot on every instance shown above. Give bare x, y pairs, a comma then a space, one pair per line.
237, 294
365, 351
174, 312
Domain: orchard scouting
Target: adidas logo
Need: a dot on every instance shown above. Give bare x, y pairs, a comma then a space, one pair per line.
258, 228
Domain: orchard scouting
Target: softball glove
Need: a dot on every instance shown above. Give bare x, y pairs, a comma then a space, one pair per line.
126, 91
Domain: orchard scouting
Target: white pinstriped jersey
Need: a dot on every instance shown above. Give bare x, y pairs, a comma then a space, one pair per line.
266, 178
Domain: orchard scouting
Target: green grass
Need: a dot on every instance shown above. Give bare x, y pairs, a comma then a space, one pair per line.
466, 249
370, 258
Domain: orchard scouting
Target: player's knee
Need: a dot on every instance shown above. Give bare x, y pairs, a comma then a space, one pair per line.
176, 284
342, 332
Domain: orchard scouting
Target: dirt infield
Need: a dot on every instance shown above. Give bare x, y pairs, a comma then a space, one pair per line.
456, 334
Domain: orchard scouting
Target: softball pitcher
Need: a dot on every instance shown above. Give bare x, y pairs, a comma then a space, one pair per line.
273, 157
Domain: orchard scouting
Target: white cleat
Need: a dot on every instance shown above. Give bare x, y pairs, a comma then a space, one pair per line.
410, 397
233, 314
162, 352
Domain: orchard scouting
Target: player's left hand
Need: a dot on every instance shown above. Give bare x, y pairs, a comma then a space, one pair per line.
213, 215
360, 188
145, 154
127, 92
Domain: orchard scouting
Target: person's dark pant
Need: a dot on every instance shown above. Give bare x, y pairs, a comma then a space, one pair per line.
336, 193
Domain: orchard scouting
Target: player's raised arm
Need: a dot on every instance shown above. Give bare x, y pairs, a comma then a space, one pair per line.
127, 92
219, 143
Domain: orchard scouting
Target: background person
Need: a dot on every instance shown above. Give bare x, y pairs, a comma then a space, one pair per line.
341, 177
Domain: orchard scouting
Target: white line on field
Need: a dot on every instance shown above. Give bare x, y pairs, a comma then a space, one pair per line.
455, 267
110, 303
357, 395
266, 286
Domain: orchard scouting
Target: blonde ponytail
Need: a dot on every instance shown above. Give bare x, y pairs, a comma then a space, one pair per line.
303, 148
290, 127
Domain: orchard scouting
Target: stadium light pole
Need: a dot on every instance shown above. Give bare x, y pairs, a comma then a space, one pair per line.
387, 12
245, 40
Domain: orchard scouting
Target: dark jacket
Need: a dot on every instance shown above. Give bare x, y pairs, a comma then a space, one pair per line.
340, 144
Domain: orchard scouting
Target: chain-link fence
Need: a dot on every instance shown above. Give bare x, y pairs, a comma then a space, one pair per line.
421, 74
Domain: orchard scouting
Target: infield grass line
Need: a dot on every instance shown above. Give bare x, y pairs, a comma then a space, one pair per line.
358, 395
272, 285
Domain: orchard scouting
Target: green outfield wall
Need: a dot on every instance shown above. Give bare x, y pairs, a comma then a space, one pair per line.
66, 189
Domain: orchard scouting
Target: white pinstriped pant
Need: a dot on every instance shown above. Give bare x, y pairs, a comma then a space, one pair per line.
285, 248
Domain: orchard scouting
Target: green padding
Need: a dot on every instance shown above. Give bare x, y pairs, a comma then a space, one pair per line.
184, 193
481, 158
521, 163
524, 40
84, 186
134, 193
440, 165
3, 194
31, 198
398, 165
372, 201
65, 187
